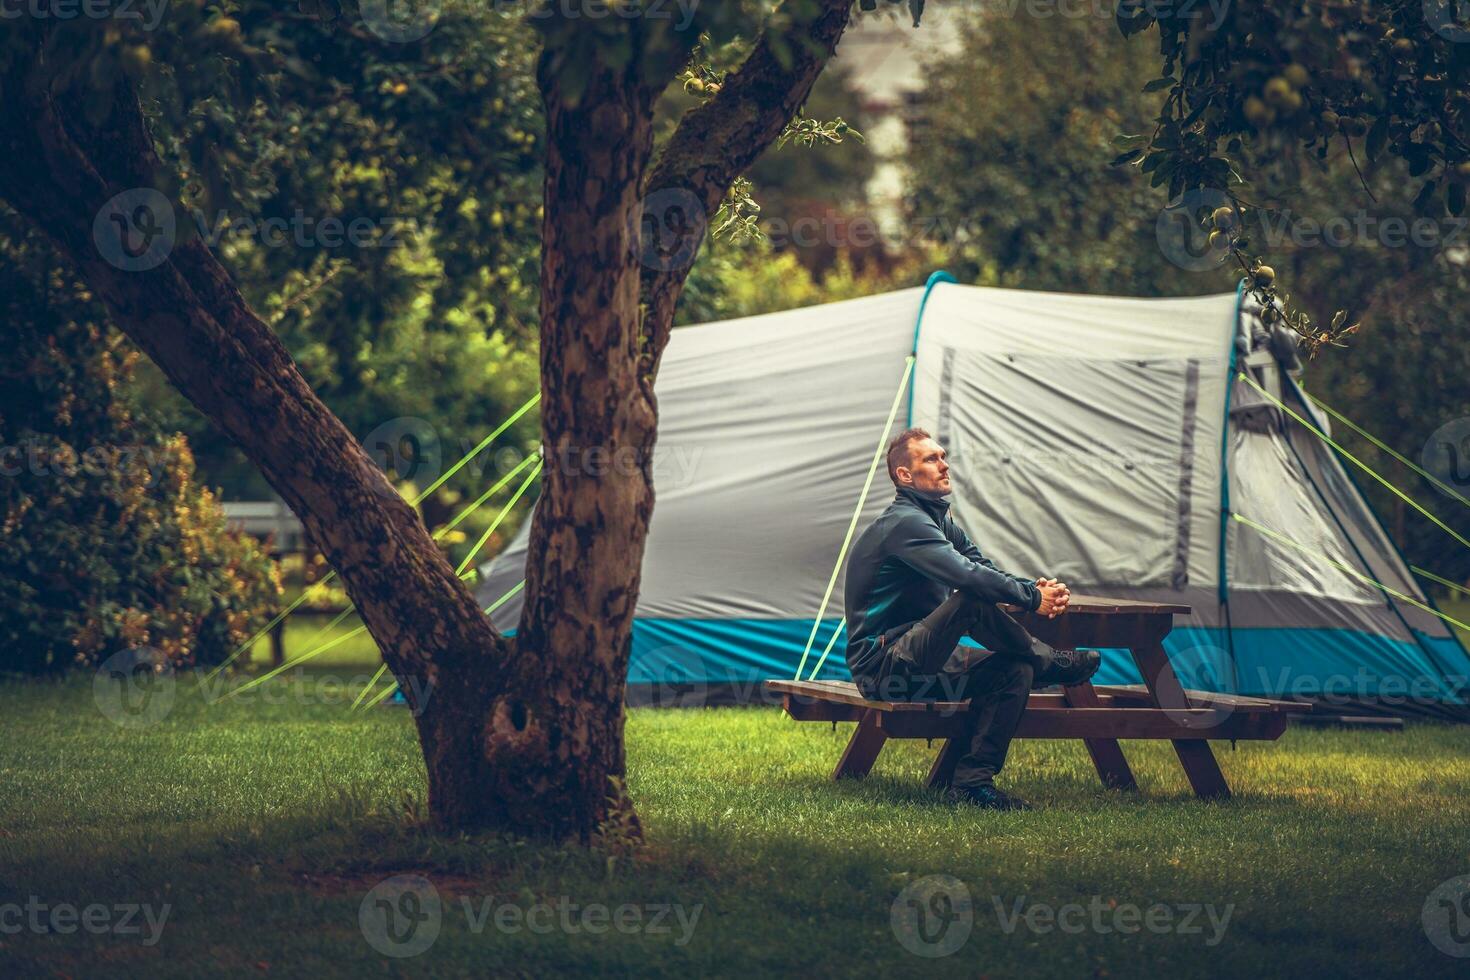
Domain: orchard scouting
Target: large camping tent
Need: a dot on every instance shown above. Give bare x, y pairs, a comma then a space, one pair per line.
1104, 441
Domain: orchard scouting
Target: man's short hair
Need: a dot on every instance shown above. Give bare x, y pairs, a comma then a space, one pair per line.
898, 450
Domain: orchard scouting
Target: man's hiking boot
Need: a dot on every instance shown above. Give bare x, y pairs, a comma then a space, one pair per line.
1068, 667
986, 797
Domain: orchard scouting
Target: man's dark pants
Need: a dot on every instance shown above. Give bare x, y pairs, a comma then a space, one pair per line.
926, 663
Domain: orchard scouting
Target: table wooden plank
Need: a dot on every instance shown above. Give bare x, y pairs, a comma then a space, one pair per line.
1102, 606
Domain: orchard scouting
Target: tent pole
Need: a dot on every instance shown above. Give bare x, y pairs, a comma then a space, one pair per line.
1222, 581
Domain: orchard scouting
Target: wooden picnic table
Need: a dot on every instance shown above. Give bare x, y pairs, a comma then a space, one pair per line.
1160, 708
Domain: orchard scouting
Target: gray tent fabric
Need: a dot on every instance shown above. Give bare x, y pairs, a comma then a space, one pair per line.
1105, 441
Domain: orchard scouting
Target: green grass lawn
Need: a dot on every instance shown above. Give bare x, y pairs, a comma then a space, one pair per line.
261, 823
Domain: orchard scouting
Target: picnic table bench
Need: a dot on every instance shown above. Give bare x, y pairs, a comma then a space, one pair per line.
1159, 708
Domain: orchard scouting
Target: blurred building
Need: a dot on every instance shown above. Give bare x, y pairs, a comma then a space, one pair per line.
887, 57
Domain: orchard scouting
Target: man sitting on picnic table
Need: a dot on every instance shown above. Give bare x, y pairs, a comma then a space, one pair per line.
915, 585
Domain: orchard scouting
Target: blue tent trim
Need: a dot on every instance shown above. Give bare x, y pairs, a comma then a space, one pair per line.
1273, 662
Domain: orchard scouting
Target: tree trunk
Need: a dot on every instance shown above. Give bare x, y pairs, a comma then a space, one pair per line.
597, 492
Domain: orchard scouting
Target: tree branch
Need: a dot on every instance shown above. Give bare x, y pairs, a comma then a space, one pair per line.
717, 142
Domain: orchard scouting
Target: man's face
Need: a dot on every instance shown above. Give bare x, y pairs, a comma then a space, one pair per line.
928, 469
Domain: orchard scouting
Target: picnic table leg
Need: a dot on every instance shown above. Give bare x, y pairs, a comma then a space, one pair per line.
1107, 754
941, 774
1195, 755
862, 749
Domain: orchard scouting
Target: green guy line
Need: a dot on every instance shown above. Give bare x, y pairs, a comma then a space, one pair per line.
477, 450
501, 601
450, 526
276, 671
272, 624
292, 663
415, 502
1355, 461
908, 369
828, 649
337, 619
1349, 569
525, 484
377, 700
371, 685
1442, 581
437, 536
499, 485
1390, 450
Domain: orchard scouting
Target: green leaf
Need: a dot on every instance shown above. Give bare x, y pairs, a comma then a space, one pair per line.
1160, 83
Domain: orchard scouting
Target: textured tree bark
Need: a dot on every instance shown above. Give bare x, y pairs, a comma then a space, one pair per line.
566, 739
